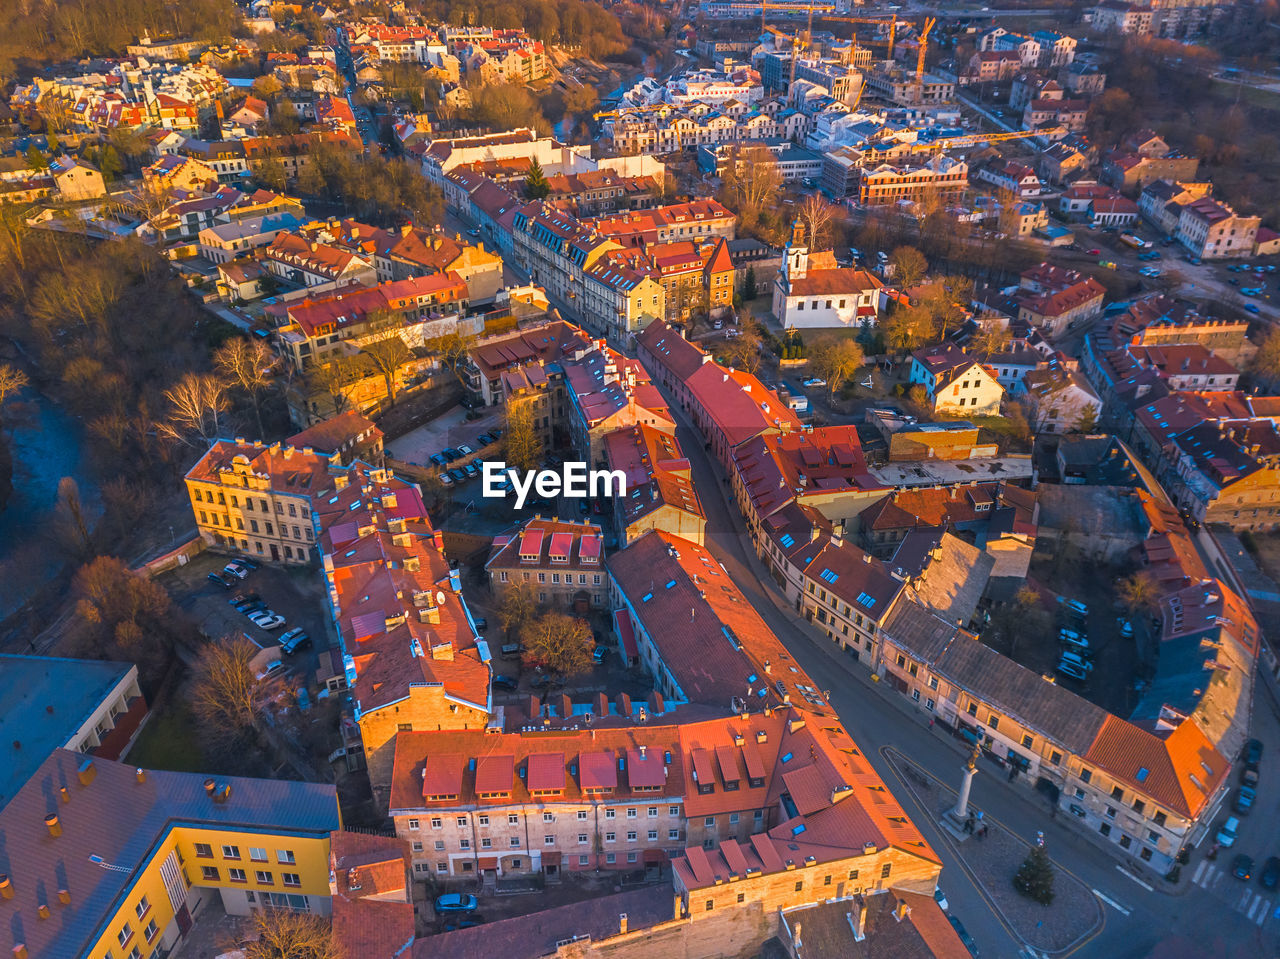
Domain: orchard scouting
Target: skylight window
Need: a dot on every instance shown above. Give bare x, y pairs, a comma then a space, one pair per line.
867, 600
829, 576
787, 540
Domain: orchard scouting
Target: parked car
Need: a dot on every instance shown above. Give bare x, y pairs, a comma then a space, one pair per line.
1075, 672
247, 563
813, 381
1075, 659
599, 654
274, 669
462, 922
458, 475
438, 459
512, 649
465, 450
450, 454
481, 624
963, 933
236, 570
1126, 629
239, 598
484, 439
504, 682
1227, 834
1252, 753
1270, 873
471, 471
266, 619
294, 641
940, 898
224, 580
446, 479
456, 902
252, 607
1245, 798
1149, 271
1076, 647
1242, 867
1252, 308
1249, 777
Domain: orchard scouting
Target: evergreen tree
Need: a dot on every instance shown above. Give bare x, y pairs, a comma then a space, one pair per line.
749, 284
36, 160
1034, 878
536, 186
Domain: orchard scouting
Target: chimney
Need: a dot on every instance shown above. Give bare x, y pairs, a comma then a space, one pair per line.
42, 910
223, 794
87, 772
140, 774
6, 887
860, 924
64, 896
901, 910
20, 951
51, 823
795, 937
65, 794
622, 923
209, 786
643, 750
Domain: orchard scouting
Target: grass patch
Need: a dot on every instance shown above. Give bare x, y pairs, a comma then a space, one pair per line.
169, 741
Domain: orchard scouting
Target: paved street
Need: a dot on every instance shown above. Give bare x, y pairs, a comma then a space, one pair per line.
1207, 920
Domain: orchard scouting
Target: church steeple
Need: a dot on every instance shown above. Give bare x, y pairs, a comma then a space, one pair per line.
796, 254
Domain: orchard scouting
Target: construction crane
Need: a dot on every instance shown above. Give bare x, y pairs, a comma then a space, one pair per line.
917, 90
892, 23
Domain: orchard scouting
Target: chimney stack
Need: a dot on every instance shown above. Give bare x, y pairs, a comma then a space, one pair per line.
140, 774
901, 910
859, 924
87, 772
209, 786
622, 923
20, 951
64, 896
51, 822
6, 887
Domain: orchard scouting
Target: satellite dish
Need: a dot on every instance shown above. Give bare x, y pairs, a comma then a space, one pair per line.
439, 597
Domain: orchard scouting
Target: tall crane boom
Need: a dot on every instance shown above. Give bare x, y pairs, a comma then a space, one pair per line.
917, 91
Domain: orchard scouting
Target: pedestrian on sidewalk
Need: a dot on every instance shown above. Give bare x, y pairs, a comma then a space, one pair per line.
930, 722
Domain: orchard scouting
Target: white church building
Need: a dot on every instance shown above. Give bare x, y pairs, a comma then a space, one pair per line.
812, 293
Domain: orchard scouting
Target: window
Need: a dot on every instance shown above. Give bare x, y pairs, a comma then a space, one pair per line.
673, 834
653, 811
1105, 829
1086, 775
204, 850
462, 824
413, 824
264, 878
1028, 741
673, 810
584, 860
631, 835
464, 843
653, 835
610, 837
291, 879
436, 822
484, 820
515, 842
631, 813
285, 857
135, 953
582, 814
142, 907
853, 874
548, 840
993, 721
209, 873
709, 821
236, 875
826, 881
1055, 757
125, 934
230, 852
610, 858
733, 819
513, 819
800, 886
1117, 793
486, 843
1139, 806
1159, 818
610, 813
548, 817
151, 931
582, 838
885, 869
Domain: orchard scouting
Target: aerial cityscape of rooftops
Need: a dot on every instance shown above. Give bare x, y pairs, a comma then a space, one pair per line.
617, 479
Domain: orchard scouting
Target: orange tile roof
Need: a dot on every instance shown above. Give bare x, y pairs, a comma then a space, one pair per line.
1181, 770
288, 470
737, 404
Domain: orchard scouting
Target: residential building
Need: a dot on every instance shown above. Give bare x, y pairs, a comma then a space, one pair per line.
1132, 172
541, 346
349, 436
257, 499
1023, 219
309, 263
176, 842
1053, 298
1082, 79
1161, 202
1121, 17
659, 484
954, 382
990, 66
224, 242
1061, 398
1211, 230
941, 178
1066, 114
695, 220
1016, 178
75, 179
1060, 163
371, 890
561, 562
1114, 211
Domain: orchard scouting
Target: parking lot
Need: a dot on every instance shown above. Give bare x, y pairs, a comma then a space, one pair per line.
453, 429
295, 593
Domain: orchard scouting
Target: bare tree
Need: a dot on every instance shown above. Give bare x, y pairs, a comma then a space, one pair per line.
523, 446
909, 266
333, 378
387, 351
225, 692
1139, 593
453, 349
284, 934
71, 527
197, 402
752, 181
247, 364
561, 643
743, 351
12, 380
517, 607
815, 214
837, 361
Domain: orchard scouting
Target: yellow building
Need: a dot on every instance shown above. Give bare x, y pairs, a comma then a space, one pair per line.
256, 499
105, 861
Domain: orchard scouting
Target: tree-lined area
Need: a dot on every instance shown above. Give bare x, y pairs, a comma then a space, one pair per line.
36, 32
